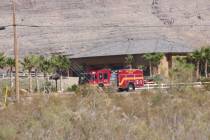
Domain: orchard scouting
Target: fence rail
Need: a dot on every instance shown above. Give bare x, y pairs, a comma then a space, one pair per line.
170, 85
23, 75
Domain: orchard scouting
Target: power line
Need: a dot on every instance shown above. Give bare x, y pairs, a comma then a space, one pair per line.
110, 26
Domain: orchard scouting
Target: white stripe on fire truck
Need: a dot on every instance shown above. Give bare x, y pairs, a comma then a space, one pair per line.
129, 79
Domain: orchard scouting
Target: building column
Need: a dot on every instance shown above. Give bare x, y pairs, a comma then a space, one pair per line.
165, 65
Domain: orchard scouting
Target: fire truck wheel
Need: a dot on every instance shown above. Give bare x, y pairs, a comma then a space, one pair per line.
101, 85
130, 87
120, 90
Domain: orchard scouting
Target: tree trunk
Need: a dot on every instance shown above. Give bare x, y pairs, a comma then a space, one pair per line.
206, 68
45, 81
30, 82
61, 84
11, 80
68, 73
37, 82
56, 85
150, 68
46, 77
198, 70
156, 70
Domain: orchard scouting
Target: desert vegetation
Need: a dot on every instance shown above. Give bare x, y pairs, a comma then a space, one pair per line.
91, 114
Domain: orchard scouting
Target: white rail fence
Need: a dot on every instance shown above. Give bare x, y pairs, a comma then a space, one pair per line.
171, 85
21, 75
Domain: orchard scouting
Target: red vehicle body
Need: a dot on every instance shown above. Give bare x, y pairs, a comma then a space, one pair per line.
100, 77
125, 79
130, 79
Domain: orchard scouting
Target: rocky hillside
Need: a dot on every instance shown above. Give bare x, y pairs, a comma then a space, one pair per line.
46, 25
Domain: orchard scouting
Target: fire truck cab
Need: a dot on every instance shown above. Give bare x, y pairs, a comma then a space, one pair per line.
96, 77
125, 79
100, 77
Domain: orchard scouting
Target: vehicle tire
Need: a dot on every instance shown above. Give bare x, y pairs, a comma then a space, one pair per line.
120, 90
130, 87
101, 85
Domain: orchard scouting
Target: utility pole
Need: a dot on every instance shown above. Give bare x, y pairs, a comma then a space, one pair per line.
16, 53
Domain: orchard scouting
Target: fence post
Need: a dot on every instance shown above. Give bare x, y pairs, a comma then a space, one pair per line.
5, 97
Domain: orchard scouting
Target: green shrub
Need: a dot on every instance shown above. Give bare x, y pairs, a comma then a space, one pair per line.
48, 87
182, 72
158, 78
206, 83
72, 88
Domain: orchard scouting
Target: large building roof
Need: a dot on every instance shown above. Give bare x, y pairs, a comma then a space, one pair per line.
47, 26
130, 47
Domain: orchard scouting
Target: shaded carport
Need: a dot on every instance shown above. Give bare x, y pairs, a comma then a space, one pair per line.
113, 54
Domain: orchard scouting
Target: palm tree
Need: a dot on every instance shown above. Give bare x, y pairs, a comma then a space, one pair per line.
129, 60
157, 57
2, 61
29, 63
45, 66
37, 61
149, 58
60, 64
154, 60
205, 51
10, 62
196, 57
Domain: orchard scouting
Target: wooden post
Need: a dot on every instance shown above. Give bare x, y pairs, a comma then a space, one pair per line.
16, 54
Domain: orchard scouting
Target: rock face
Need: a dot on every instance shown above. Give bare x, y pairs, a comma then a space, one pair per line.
65, 25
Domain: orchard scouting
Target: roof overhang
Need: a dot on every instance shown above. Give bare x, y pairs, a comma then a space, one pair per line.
134, 47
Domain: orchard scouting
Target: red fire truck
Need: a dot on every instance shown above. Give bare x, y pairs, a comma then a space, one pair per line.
130, 79
125, 79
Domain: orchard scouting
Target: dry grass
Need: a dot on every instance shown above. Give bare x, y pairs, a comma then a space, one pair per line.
91, 115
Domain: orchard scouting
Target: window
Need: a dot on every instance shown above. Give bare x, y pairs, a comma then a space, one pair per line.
105, 76
100, 76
